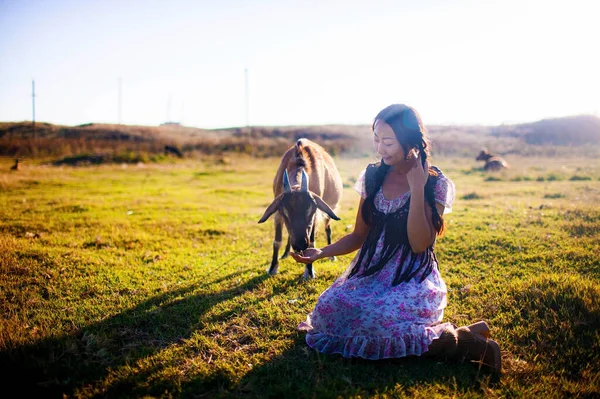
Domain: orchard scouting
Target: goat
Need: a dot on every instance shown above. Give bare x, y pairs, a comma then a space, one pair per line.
492, 162
295, 205
16, 165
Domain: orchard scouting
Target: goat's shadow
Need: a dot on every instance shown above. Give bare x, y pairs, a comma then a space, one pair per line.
56, 366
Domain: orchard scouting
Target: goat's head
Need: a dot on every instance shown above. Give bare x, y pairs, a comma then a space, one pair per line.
298, 209
484, 155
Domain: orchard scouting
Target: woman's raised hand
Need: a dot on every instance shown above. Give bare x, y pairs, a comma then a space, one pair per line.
309, 255
417, 175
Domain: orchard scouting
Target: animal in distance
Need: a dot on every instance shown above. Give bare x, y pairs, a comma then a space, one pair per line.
493, 163
16, 165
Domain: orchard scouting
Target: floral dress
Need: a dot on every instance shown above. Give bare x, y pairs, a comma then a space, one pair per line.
368, 316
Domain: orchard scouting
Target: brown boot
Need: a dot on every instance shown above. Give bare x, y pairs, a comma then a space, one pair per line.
445, 345
478, 349
481, 328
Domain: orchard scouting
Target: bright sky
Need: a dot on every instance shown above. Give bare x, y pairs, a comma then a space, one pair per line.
307, 61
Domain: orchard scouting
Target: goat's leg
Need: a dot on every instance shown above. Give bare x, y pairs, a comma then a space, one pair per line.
276, 245
309, 272
328, 234
287, 249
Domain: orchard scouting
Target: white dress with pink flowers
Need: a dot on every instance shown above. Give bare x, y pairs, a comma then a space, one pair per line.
368, 317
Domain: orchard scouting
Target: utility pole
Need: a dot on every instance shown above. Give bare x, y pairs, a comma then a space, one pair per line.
120, 97
247, 98
33, 106
169, 109
181, 118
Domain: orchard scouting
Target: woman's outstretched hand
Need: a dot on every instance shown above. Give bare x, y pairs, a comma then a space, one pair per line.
417, 175
309, 255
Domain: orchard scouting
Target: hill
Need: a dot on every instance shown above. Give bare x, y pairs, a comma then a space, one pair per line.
48, 140
143, 143
573, 130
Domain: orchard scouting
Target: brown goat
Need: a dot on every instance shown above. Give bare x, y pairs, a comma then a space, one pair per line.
492, 162
306, 180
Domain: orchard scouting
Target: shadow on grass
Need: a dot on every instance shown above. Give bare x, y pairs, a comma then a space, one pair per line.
55, 366
301, 372
103, 359
121, 355
81, 363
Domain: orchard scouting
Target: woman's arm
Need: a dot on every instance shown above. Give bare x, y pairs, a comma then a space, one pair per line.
420, 230
349, 243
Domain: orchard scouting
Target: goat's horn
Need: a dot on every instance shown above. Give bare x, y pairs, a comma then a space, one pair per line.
286, 182
304, 185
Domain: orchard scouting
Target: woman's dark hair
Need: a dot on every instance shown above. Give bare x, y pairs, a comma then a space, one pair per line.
410, 132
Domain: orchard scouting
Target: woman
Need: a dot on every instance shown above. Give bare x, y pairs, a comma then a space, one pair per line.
390, 301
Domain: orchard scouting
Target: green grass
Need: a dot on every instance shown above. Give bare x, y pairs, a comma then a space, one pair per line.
149, 280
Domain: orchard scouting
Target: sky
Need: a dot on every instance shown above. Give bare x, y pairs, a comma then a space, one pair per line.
214, 64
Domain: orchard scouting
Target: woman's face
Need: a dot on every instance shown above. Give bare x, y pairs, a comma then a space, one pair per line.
386, 144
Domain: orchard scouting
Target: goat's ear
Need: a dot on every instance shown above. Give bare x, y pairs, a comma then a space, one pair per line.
271, 209
286, 182
304, 185
322, 205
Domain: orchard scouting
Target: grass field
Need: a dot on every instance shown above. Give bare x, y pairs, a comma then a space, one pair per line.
149, 280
